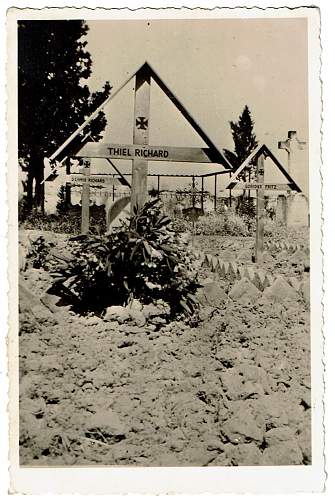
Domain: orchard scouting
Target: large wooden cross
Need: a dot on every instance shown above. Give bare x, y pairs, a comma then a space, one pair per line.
140, 152
140, 136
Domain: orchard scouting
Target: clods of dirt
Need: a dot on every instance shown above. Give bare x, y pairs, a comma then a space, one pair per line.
235, 390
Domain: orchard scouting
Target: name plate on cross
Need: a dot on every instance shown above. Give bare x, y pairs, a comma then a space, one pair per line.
147, 152
266, 187
92, 180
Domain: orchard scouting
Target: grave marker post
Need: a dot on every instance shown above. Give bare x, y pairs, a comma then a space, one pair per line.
281, 209
259, 248
193, 211
202, 194
85, 199
215, 192
139, 185
259, 155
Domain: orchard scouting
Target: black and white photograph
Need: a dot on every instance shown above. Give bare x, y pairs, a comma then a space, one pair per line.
166, 241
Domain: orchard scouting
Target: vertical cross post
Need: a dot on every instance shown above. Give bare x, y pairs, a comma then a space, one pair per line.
259, 248
68, 186
158, 185
139, 185
249, 180
193, 191
113, 188
193, 213
215, 190
85, 199
202, 194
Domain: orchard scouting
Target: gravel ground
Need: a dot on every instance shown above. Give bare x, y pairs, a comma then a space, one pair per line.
234, 390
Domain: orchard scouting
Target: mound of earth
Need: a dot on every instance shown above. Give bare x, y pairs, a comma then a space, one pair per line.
233, 390
244, 290
280, 290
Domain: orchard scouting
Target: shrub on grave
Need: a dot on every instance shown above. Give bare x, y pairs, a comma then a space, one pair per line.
246, 207
142, 259
38, 253
181, 225
227, 223
68, 222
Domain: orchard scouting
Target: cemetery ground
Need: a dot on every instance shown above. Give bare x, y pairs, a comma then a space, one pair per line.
229, 385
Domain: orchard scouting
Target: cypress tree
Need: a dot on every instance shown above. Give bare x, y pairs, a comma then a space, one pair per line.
244, 137
53, 99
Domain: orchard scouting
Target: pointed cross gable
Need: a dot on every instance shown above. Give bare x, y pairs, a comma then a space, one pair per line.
252, 158
214, 153
217, 155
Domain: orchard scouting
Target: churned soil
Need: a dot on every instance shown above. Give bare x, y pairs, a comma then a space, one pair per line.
232, 388
289, 263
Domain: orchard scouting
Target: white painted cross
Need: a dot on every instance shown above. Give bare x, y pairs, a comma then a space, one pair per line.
291, 144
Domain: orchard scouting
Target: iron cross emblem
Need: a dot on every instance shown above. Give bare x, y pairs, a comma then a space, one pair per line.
142, 123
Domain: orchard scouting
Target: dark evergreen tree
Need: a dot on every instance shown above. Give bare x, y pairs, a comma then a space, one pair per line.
245, 142
243, 135
244, 138
53, 99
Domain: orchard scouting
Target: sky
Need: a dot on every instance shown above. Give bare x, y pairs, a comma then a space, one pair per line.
215, 67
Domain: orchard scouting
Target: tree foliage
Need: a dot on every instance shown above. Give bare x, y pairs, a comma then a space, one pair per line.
245, 142
243, 135
53, 99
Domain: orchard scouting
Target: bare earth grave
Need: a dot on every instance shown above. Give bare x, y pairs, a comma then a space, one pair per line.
228, 387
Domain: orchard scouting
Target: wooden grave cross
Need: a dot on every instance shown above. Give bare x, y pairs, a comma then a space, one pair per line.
86, 180
140, 152
259, 155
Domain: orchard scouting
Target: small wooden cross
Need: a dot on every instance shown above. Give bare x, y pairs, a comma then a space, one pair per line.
85, 199
259, 245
